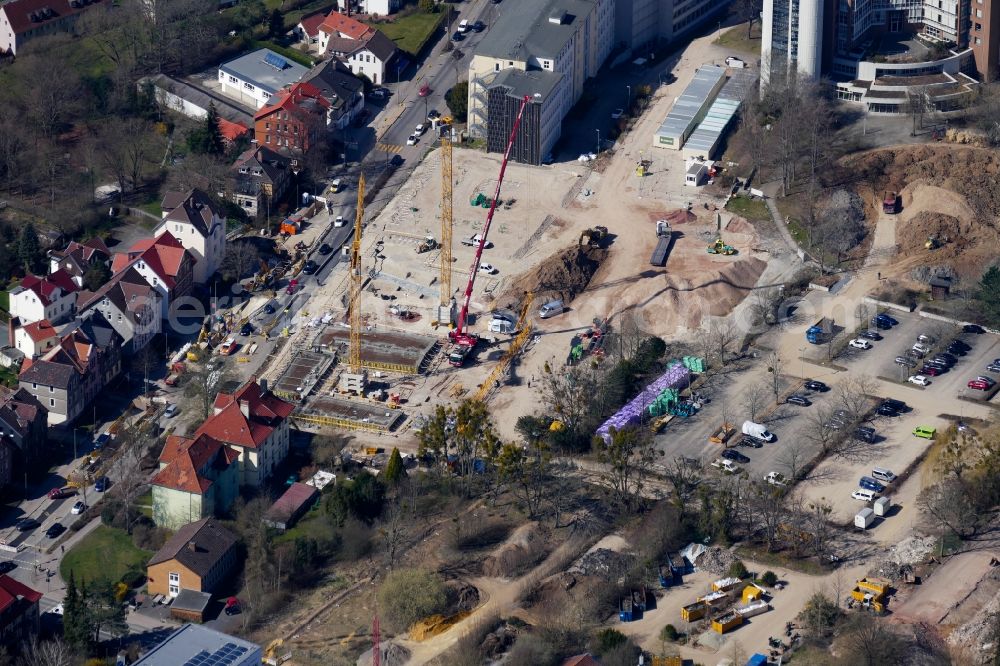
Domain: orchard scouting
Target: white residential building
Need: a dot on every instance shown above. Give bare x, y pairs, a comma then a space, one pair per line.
52, 297
192, 219
255, 77
366, 51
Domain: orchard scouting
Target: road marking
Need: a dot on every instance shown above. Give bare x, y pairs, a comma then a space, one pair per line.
388, 147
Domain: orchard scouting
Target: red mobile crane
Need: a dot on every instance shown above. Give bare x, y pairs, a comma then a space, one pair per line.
463, 340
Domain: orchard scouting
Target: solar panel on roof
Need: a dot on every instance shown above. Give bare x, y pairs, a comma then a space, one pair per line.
275, 60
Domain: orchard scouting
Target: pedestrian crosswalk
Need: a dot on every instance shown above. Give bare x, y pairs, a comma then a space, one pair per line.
388, 147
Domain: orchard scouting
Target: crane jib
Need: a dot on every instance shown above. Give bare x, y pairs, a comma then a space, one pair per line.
459, 334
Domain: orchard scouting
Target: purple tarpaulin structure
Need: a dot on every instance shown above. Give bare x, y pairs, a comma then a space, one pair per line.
676, 376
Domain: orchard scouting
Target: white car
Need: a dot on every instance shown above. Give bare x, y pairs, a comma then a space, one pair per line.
919, 380
775, 478
617, 113
78, 508
726, 465
411, 140
339, 222
488, 269
419, 129
921, 348
862, 495
171, 411
858, 343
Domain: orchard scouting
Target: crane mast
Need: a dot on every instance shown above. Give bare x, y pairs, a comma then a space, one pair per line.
354, 356
447, 183
460, 335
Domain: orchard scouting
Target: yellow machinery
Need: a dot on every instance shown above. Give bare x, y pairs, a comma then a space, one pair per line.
524, 327
870, 593
447, 183
719, 247
354, 356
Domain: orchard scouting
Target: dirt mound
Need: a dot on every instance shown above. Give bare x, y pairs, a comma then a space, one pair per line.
911, 236
563, 274
906, 553
604, 563
523, 548
716, 560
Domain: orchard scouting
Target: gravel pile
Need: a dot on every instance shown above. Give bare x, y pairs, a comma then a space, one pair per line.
716, 560
977, 632
901, 557
604, 563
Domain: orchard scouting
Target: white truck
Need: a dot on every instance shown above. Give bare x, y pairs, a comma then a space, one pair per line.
473, 241
757, 431
725, 465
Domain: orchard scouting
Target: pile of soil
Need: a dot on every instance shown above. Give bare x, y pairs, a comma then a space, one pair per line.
563, 274
524, 548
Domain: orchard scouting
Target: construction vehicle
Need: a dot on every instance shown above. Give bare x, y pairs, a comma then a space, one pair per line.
523, 325
461, 337
934, 242
820, 332
664, 237
890, 203
274, 655
427, 245
871, 593
722, 435
594, 237
719, 247
290, 226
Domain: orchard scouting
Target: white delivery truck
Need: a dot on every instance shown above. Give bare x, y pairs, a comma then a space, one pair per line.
757, 431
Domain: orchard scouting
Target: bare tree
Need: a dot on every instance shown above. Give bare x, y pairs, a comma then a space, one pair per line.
394, 531
948, 504
864, 312
769, 510
792, 457
819, 431
774, 366
684, 476
764, 305
872, 643
204, 383
855, 395
241, 259
754, 399
749, 11
818, 523
722, 333
627, 458
51, 652
133, 443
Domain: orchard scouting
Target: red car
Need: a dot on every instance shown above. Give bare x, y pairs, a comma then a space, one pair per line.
930, 370
424, 91
979, 385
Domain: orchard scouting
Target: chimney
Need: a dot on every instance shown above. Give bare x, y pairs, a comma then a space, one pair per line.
245, 408
192, 546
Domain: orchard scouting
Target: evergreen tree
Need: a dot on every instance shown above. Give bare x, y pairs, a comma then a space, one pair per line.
76, 623
276, 23
96, 276
29, 250
212, 131
989, 295
394, 471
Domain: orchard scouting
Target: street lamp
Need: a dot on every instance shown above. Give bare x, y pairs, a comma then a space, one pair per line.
598, 141
628, 99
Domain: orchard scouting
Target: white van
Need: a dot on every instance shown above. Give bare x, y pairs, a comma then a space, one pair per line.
883, 474
758, 431
501, 326
463, 27
551, 309
864, 495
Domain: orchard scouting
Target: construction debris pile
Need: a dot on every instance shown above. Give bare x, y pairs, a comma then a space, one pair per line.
900, 558
978, 633
715, 560
605, 563
564, 274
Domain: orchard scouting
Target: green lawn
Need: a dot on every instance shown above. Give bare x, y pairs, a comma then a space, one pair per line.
104, 553
735, 39
751, 209
411, 32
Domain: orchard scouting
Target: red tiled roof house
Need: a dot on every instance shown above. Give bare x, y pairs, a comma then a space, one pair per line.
254, 422
198, 478
164, 264
18, 612
23, 20
52, 297
294, 120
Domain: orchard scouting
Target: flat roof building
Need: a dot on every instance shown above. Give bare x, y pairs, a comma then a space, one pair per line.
195, 645
255, 77
690, 108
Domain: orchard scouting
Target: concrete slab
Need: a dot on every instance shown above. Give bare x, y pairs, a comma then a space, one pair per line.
397, 351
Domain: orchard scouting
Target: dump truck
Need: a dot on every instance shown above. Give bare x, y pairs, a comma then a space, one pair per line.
723, 623
664, 237
871, 593
722, 435
890, 203
427, 244
820, 332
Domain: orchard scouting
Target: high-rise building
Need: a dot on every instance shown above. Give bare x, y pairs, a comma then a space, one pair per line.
940, 46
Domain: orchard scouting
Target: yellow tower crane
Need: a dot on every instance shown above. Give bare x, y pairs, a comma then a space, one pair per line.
524, 329
447, 183
354, 356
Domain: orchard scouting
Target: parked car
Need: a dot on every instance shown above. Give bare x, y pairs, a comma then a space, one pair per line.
55, 529
102, 440
979, 385
310, 267
881, 324
906, 361
269, 309
925, 432
171, 410
59, 493
919, 380
735, 456
750, 443
814, 385
993, 367
379, 93
931, 370
78, 508
26, 524
858, 343
921, 348
959, 342
424, 91
488, 269
883, 321
868, 483
411, 140
617, 113
433, 114
945, 357
973, 328
325, 249
957, 351
102, 483
775, 478
885, 409
246, 329
926, 339
800, 400
420, 129
339, 222
870, 335
479, 26
863, 495
6, 566
865, 434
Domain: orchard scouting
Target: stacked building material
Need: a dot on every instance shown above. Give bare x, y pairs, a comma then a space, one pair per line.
677, 376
